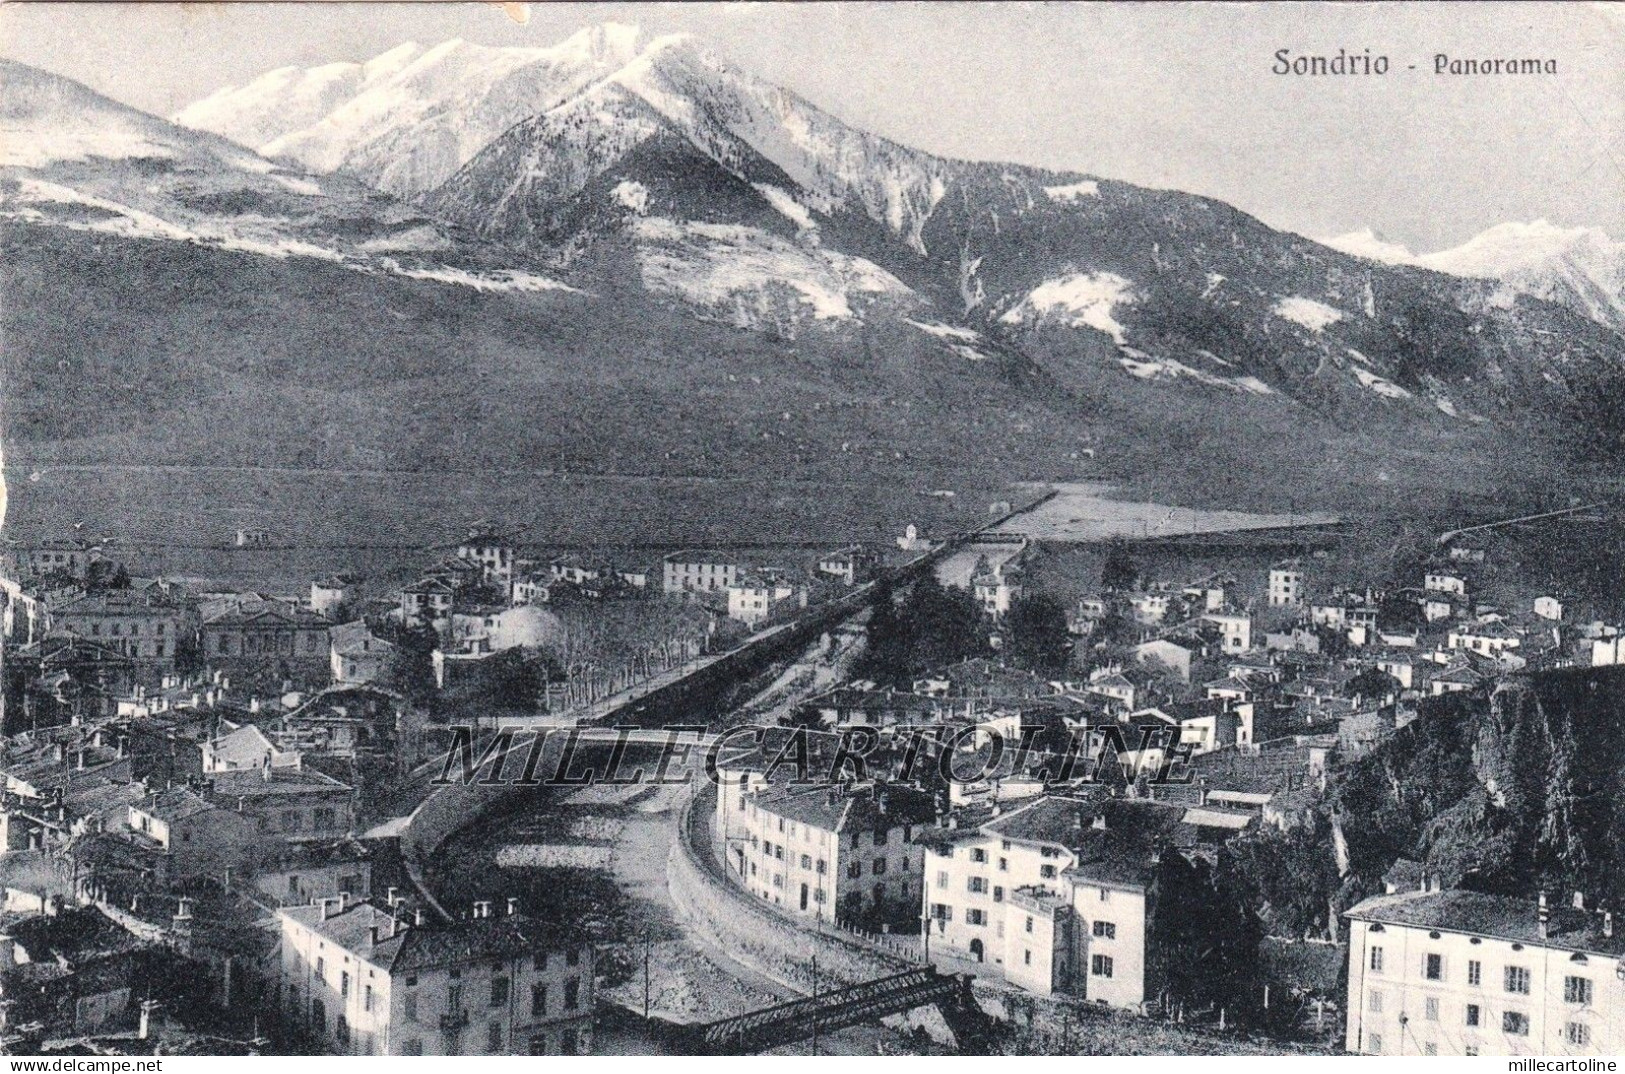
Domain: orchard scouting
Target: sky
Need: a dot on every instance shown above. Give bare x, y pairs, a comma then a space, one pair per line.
1165, 95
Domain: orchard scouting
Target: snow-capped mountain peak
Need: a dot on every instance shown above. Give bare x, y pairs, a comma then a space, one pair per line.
1505, 247
1579, 267
405, 120
1367, 243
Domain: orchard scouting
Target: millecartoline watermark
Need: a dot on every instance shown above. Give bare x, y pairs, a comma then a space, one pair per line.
949, 753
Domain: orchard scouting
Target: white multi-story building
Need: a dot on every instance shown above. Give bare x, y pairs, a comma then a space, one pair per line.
1235, 630
831, 851
996, 589
491, 553
1056, 893
1461, 973
1286, 586
698, 572
755, 598
361, 980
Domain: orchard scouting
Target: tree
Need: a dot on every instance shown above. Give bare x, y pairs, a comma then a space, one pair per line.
930, 627
1036, 637
1118, 574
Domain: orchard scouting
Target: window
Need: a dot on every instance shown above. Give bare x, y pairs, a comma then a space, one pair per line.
1029, 925
1106, 930
409, 1006
1373, 1002
1430, 1008
942, 879
1516, 1023
1433, 967
321, 967
1100, 965
998, 893
366, 998
572, 994
538, 1001
1475, 973
975, 917
881, 836
1471, 1049
880, 866
977, 885
1517, 980
1376, 1044
1376, 960
977, 854
806, 861
1047, 872
572, 958
822, 866
1004, 865
493, 1037
1577, 1034
324, 817
854, 869
499, 992
1577, 990
1027, 958
1473, 1015
344, 983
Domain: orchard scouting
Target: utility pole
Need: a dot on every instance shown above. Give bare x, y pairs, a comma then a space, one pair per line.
647, 944
815, 1005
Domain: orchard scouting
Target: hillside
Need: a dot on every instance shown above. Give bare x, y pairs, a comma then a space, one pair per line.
1506, 793
767, 293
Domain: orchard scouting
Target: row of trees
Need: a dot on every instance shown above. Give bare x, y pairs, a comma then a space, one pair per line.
930, 626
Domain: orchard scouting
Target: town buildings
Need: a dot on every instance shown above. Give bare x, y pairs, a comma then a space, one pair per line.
830, 851
370, 979
1061, 893
1287, 584
698, 572
1460, 973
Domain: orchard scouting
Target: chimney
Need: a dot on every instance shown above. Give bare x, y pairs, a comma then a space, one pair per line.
1099, 824
1608, 924
417, 918
391, 897
1579, 900
482, 909
183, 911
372, 934
513, 906
344, 901
327, 908
1545, 916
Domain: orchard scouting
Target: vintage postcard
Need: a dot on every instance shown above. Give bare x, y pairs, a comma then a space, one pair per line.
862, 529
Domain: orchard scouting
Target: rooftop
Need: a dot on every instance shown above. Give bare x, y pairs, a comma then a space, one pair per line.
1501, 917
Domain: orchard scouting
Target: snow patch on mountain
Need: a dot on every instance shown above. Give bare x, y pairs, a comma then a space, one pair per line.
631, 194
1380, 385
505, 280
1306, 313
787, 205
1086, 188
1081, 299
947, 331
1139, 364
750, 277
